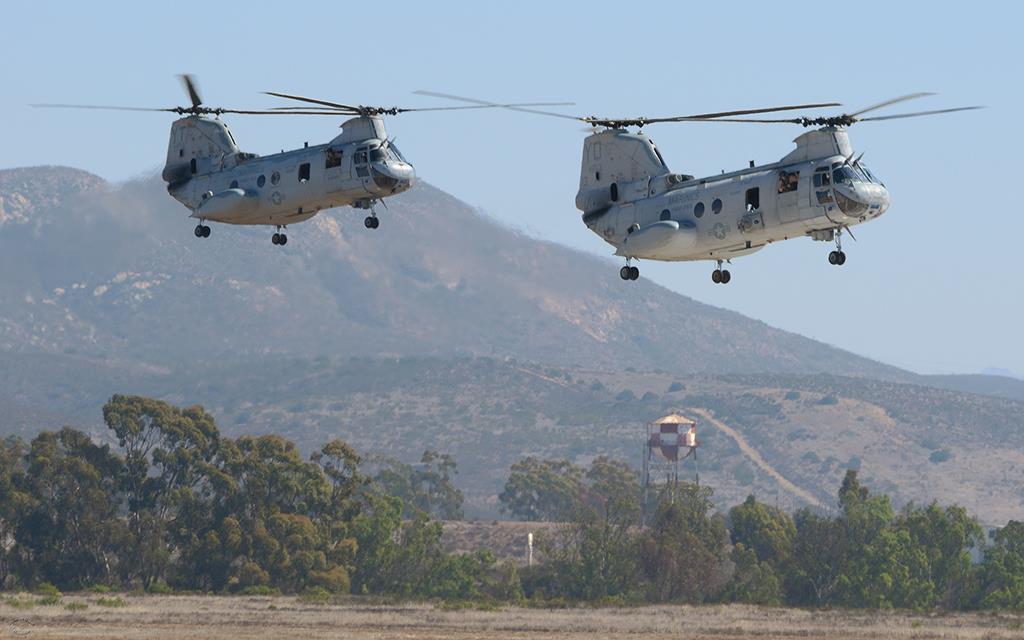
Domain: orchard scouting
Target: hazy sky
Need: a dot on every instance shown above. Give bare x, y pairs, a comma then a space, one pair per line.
935, 285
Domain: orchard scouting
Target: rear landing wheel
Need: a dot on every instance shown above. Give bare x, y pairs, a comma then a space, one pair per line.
371, 222
625, 273
716, 276
202, 231
726, 276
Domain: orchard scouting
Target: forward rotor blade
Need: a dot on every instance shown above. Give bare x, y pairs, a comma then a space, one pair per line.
909, 96
326, 103
190, 87
485, 103
98, 106
405, 110
919, 113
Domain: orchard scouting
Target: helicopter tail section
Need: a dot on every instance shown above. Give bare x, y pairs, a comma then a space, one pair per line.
614, 162
197, 146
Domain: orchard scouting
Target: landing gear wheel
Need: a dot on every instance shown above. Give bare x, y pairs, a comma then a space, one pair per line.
283, 240
634, 273
276, 238
206, 231
371, 222
841, 258
625, 273
716, 276
833, 257
726, 276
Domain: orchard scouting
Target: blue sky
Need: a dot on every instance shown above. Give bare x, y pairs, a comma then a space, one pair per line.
934, 286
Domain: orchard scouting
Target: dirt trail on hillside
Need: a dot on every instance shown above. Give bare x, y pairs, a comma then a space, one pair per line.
756, 458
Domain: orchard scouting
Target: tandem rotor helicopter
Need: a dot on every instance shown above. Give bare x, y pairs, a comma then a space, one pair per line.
208, 173
631, 199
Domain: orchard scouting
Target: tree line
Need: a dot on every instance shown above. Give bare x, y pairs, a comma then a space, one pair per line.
176, 505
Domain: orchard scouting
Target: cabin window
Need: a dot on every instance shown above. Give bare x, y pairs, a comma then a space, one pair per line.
753, 199
666, 215
615, 192
304, 172
360, 157
260, 181
192, 166
333, 159
788, 181
698, 210
822, 179
716, 206
597, 176
181, 153
275, 177
234, 184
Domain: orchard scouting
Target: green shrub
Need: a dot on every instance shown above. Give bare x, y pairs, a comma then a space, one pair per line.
334, 580
19, 603
317, 595
48, 601
829, 400
161, 588
260, 590
76, 606
99, 588
47, 589
940, 456
115, 602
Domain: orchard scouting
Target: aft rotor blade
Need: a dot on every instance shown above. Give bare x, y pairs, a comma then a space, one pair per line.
742, 112
99, 106
918, 113
190, 86
325, 103
909, 96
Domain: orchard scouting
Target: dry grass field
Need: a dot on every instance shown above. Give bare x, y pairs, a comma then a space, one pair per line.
279, 618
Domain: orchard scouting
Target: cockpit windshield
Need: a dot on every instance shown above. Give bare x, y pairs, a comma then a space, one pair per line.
385, 153
845, 175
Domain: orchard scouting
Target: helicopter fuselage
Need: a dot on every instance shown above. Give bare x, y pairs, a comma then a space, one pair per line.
814, 191
208, 174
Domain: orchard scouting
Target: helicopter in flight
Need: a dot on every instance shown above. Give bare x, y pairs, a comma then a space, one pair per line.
631, 199
208, 173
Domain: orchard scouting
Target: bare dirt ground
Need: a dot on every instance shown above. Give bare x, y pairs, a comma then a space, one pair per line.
185, 617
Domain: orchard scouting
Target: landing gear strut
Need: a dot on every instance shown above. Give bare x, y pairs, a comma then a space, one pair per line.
202, 231
837, 257
720, 275
629, 273
279, 238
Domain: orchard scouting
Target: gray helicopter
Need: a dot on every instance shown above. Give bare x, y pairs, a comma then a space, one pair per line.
208, 173
631, 199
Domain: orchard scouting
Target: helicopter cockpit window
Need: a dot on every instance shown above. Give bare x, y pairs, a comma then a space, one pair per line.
360, 156
377, 155
822, 179
844, 175
870, 176
332, 158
